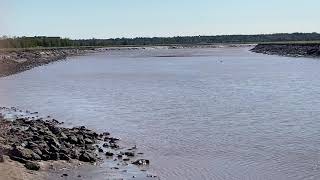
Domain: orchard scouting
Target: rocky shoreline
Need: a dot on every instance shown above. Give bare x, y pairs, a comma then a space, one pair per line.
290, 50
31, 140
13, 61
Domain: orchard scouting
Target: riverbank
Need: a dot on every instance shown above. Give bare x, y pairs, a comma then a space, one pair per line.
36, 148
289, 49
13, 61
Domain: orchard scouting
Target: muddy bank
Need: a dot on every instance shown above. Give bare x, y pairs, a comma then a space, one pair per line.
17, 60
291, 50
39, 147
199, 46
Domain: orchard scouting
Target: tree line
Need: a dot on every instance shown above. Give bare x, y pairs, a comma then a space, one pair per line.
43, 41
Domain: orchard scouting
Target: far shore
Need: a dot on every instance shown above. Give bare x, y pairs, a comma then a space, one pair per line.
13, 61
301, 49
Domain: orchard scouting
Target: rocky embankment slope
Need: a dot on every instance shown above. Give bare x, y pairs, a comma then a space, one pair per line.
292, 50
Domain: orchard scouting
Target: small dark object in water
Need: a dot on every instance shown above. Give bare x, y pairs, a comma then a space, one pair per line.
129, 154
141, 162
151, 176
101, 150
114, 146
111, 139
133, 148
109, 154
106, 134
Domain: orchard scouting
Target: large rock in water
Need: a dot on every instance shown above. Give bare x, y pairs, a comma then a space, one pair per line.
129, 154
109, 154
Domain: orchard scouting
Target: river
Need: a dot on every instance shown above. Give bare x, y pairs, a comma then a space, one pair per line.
220, 113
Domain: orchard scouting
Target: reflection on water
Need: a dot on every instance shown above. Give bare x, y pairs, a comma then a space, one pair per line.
198, 114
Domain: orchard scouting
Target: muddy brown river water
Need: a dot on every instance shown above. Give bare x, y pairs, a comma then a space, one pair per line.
223, 114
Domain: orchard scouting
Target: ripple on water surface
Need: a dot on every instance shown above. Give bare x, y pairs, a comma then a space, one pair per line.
198, 114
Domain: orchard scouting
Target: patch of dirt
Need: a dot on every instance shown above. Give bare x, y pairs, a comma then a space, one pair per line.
12, 170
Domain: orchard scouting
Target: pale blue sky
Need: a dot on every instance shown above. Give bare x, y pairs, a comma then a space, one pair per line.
132, 18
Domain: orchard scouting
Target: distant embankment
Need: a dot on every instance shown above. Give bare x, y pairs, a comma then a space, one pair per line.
289, 49
17, 60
